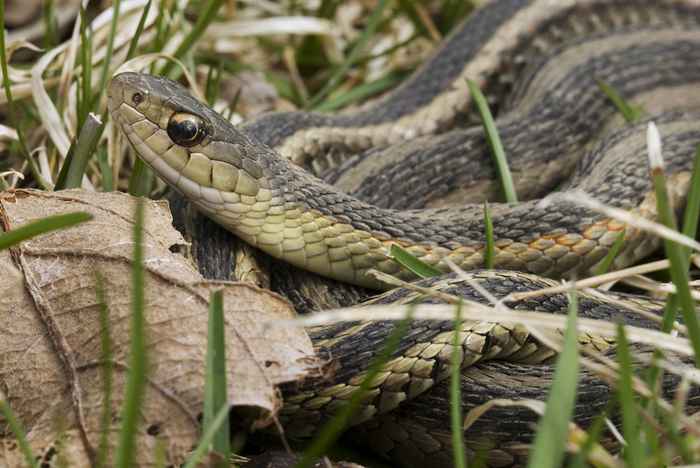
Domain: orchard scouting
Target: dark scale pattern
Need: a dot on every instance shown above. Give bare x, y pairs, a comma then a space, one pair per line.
344, 351
571, 114
502, 428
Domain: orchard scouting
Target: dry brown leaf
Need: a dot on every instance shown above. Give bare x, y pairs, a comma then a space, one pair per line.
50, 351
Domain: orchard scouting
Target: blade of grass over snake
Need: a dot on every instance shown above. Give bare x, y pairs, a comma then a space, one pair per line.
494, 140
207, 438
371, 28
634, 451
203, 20
458, 453
13, 116
136, 381
107, 372
552, 430
674, 252
331, 430
629, 112
15, 427
609, 258
215, 387
692, 206
411, 263
490, 250
690, 223
42, 226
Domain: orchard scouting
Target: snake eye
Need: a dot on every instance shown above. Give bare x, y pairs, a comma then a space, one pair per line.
186, 129
137, 98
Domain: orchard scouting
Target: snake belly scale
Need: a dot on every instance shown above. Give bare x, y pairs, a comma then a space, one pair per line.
541, 61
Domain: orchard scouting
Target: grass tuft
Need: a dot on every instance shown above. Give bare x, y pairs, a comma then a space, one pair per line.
340, 72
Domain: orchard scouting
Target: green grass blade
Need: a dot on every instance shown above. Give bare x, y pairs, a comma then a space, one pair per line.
490, 249
332, 429
690, 223
411, 263
42, 226
692, 206
553, 429
607, 262
494, 140
139, 29
634, 451
215, 387
107, 373
629, 112
136, 382
50, 24
207, 438
361, 92
16, 428
79, 154
458, 454
86, 68
203, 20
116, 4
105, 170
674, 252
140, 179
371, 28
211, 92
595, 430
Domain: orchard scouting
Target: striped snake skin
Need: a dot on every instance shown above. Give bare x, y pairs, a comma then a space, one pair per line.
330, 194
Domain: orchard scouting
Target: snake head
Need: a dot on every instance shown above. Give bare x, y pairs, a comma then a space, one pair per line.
190, 146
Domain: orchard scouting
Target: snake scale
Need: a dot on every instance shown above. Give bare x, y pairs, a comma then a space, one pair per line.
330, 193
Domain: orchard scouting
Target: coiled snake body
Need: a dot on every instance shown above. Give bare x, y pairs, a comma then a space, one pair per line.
400, 170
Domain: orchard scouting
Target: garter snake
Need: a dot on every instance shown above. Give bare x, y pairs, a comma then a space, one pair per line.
406, 163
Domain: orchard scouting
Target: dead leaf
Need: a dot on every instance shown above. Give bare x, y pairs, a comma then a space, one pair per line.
50, 348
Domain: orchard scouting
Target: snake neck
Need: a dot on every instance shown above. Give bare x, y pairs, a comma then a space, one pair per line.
317, 227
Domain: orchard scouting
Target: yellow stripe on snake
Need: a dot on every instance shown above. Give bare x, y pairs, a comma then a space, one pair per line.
330, 194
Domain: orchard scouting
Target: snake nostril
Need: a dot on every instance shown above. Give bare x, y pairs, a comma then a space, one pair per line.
137, 98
